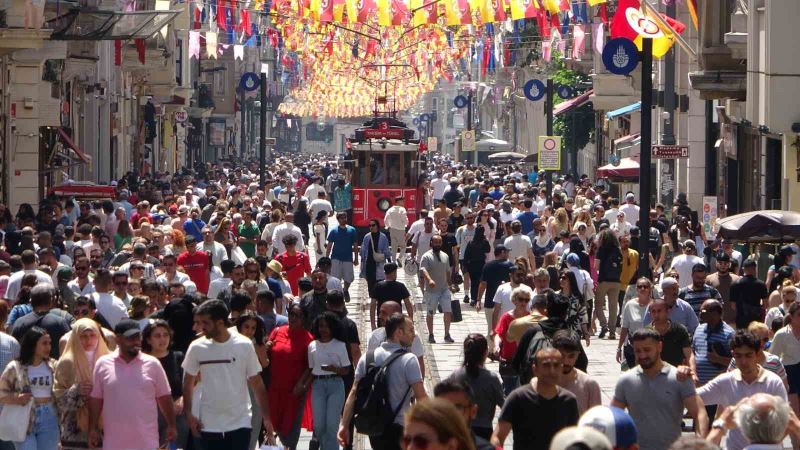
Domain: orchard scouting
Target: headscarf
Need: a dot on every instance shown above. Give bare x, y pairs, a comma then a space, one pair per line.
74, 367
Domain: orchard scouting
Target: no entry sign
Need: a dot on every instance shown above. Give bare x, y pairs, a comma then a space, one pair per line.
549, 152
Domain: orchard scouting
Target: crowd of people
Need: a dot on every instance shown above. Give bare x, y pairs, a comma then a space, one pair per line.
200, 310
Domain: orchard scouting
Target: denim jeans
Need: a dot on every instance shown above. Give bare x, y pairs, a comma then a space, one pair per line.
510, 382
45, 435
327, 399
237, 439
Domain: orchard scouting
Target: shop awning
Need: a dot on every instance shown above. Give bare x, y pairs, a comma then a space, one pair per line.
573, 103
70, 144
624, 110
82, 25
628, 169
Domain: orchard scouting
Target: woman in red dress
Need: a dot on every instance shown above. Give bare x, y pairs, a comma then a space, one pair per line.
291, 377
295, 263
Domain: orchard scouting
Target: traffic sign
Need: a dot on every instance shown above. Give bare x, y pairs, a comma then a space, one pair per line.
180, 116
620, 56
270, 141
460, 101
468, 141
670, 151
564, 92
249, 82
534, 90
549, 152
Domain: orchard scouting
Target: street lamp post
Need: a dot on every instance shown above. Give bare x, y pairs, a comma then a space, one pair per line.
644, 155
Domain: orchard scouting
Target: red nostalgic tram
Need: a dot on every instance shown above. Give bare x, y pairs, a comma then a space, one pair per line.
385, 163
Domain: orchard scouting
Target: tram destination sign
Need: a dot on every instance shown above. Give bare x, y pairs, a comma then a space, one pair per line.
384, 128
670, 151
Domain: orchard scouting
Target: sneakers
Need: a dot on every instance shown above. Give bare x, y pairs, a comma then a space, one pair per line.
431, 340
603, 332
612, 336
448, 339
466, 298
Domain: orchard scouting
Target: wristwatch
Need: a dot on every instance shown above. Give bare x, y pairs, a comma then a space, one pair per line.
718, 424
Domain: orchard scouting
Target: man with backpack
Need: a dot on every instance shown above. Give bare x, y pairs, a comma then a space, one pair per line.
387, 379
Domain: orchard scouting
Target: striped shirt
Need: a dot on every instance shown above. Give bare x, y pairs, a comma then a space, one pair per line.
717, 338
9, 350
696, 297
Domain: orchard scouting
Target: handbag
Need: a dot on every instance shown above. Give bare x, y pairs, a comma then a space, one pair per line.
378, 257
455, 306
14, 419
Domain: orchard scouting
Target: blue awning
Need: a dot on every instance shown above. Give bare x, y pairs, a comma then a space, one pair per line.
624, 110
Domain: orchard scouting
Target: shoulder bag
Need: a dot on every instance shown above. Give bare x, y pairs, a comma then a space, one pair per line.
14, 419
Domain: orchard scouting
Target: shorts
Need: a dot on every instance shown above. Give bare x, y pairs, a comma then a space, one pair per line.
342, 270
793, 375
437, 298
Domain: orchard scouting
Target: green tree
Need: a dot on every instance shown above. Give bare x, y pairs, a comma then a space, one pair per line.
574, 127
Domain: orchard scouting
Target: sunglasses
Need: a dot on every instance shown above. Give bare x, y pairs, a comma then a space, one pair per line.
642, 286
419, 441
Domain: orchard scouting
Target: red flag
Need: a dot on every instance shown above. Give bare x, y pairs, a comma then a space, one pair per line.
532, 8
366, 9
499, 10
400, 12
487, 49
244, 23
140, 48
603, 13
326, 11
544, 25
564, 5
466, 13
555, 21
117, 52
619, 25
221, 22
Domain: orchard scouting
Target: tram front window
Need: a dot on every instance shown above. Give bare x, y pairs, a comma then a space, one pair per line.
394, 168
377, 169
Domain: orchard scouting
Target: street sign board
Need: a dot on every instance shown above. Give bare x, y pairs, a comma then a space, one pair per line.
534, 90
249, 81
433, 144
549, 152
468, 141
270, 141
180, 116
620, 56
670, 151
460, 101
564, 91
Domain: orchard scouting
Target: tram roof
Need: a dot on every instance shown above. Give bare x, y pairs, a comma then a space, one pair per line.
392, 145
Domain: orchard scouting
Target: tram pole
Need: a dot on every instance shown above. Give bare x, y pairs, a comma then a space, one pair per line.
645, 187
548, 109
262, 142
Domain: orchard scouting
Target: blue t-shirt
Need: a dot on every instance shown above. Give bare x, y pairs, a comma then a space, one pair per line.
473, 197
195, 228
532, 177
526, 219
343, 240
275, 287
496, 194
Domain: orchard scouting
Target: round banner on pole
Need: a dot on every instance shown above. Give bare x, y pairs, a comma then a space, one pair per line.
250, 81
424, 117
460, 101
620, 56
534, 90
564, 92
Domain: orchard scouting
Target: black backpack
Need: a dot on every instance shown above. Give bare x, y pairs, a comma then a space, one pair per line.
539, 341
373, 411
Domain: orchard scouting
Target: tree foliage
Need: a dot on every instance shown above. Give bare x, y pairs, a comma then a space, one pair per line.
574, 127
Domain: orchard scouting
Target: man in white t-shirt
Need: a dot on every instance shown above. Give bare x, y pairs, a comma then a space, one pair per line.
320, 203
378, 335
439, 184
631, 209
227, 364
519, 244
683, 263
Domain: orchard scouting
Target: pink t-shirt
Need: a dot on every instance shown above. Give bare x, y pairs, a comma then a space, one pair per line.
129, 392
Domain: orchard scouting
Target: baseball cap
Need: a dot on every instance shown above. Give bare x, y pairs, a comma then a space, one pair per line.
573, 259
722, 257
787, 250
630, 196
584, 438
614, 423
127, 328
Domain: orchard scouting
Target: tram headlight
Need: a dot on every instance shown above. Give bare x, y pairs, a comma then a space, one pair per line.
384, 204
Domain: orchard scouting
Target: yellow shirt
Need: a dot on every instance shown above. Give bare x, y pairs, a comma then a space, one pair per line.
630, 262
519, 326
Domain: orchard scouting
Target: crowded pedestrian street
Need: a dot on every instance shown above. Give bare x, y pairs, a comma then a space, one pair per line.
399, 225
